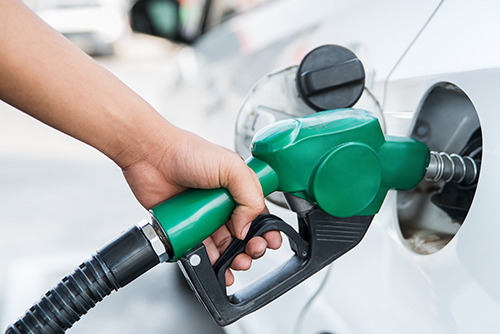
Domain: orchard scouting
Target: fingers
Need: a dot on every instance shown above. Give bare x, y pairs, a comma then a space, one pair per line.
211, 249
242, 262
255, 248
273, 239
229, 277
217, 243
222, 238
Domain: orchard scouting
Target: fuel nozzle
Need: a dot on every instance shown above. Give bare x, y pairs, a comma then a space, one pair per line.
452, 168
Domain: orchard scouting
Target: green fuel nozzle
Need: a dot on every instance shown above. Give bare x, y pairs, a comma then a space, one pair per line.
339, 160
336, 165
335, 168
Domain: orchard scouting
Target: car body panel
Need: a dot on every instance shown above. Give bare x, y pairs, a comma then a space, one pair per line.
240, 51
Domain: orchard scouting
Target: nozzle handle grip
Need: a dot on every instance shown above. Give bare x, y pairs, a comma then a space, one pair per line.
328, 238
190, 217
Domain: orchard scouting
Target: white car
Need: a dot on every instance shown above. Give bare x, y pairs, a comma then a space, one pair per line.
428, 262
92, 25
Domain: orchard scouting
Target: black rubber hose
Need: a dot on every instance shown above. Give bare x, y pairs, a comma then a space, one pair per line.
116, 264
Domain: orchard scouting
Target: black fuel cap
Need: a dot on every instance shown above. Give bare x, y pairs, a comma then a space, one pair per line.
330, 77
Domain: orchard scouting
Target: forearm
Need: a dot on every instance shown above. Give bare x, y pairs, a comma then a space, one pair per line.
46, 76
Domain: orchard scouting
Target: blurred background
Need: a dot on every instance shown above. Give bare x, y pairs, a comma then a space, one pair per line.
61, 200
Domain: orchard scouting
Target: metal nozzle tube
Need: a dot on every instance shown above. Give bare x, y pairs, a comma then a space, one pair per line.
451, 168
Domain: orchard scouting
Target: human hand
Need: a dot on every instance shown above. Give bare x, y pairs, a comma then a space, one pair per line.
180, 160
87, 102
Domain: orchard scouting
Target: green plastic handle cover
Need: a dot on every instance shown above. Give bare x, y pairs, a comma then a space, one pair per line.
338, 159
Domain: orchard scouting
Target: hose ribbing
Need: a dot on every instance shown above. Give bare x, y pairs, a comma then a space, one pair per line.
73, 297
115, 265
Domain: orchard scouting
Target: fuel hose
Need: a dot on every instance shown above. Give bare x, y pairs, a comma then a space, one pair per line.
118, 263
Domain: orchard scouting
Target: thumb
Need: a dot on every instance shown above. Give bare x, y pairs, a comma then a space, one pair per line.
244, 186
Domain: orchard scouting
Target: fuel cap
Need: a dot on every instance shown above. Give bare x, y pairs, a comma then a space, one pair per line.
330, 77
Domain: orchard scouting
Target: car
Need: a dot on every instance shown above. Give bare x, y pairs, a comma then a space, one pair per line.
427, 263
92, 25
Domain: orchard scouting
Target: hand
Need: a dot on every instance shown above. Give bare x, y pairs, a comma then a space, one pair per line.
49, 78
183, 160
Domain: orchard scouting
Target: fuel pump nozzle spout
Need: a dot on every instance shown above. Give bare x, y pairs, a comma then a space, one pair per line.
452, 168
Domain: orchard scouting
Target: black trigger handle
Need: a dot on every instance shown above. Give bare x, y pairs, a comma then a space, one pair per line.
261, 225
328, 238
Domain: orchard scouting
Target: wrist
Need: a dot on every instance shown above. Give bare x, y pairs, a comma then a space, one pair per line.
141, 140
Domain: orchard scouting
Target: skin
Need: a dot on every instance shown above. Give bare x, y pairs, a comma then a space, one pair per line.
47, 77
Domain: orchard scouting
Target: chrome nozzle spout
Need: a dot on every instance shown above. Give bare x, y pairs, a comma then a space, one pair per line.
452, 168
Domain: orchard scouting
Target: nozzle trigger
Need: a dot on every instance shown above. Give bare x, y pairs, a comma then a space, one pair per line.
259, 226
321, 240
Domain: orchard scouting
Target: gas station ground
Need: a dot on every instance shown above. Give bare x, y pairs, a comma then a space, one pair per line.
60, 201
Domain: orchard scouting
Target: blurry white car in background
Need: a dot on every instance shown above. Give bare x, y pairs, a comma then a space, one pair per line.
428, 261
93, 25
